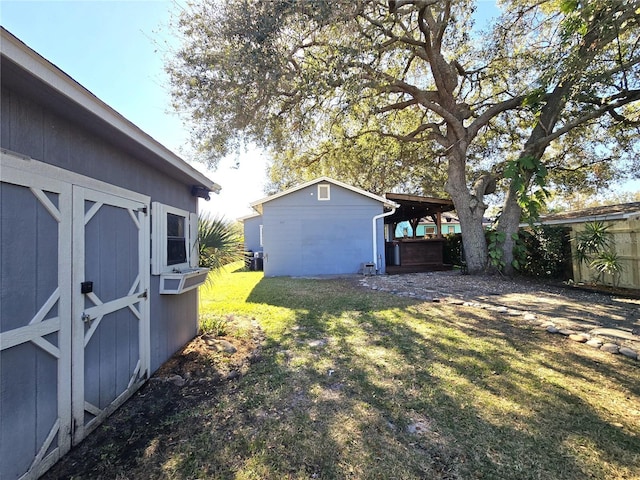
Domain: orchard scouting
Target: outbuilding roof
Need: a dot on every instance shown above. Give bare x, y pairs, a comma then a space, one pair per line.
25, 71
620, 211
257, 205
415, 206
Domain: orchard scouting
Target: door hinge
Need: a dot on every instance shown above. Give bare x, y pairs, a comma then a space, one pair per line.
143, 294
143, 210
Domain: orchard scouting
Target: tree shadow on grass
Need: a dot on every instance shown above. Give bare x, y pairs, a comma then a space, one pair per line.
482, 382
362, 384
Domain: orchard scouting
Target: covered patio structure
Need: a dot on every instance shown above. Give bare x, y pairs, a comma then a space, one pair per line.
415, 254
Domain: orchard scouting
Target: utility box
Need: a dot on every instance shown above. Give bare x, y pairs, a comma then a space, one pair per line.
368, 268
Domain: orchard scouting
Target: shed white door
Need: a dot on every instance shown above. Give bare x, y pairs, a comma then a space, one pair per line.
59, 375
111, 318
35, 327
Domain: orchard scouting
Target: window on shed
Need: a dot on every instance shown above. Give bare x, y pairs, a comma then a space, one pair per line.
176, 239
324, 192
174, 242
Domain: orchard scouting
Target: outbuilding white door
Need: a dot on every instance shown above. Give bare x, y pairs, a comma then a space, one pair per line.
35, 320
67, 358
110, 304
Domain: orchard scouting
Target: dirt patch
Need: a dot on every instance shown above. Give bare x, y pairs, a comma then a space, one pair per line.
149, 422
215, 358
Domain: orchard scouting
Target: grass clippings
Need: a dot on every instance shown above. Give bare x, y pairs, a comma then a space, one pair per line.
356, 384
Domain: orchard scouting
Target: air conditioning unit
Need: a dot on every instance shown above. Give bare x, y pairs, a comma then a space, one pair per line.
368, 268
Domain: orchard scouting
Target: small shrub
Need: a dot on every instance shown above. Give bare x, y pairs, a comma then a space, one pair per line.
215, 325
607, 262
220, 242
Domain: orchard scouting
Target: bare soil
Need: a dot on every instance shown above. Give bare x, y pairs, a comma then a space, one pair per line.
193, 374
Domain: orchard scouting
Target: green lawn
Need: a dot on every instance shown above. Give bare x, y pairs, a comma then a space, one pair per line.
361, 384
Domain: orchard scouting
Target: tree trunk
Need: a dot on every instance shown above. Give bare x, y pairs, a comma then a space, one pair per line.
473, 238
509, 224
470, 209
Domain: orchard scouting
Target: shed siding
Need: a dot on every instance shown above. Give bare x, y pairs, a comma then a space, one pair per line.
252, 234
306, 236
30, 129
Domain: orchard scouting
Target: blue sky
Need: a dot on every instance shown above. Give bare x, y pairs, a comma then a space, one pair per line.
116, 50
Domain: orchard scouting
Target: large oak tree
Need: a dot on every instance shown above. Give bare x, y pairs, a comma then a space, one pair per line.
310, 79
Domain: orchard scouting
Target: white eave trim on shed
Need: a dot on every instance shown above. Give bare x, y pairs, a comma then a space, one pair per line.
247, 217
257, 205
23, 56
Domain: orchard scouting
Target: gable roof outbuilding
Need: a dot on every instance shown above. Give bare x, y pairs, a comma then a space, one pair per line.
257, 205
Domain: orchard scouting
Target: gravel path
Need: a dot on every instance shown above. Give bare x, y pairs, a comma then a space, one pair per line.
597, 318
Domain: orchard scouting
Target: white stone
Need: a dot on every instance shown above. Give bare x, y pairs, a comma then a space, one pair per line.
628, 352
579, 337
610, 347
177, 380
594, 342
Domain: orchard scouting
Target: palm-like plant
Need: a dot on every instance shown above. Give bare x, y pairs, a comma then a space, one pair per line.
593, 239
607, 262
220, 242
594, 246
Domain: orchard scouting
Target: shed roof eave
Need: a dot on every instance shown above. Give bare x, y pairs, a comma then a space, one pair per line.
247, 217
47, 73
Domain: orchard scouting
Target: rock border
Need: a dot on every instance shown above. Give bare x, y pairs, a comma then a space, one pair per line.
557, 326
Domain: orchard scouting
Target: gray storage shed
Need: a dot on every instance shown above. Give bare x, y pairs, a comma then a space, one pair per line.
321, 227
98, 260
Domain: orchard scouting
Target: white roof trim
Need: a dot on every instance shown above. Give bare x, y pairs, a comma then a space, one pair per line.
605, 217
39, 67
247, 217
257, 205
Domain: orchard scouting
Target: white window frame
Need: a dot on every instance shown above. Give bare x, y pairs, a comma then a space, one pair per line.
324, 192
159, 213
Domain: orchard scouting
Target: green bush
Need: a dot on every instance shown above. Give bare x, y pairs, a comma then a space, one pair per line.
452, 254
543, 251
215, 325
547, 252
